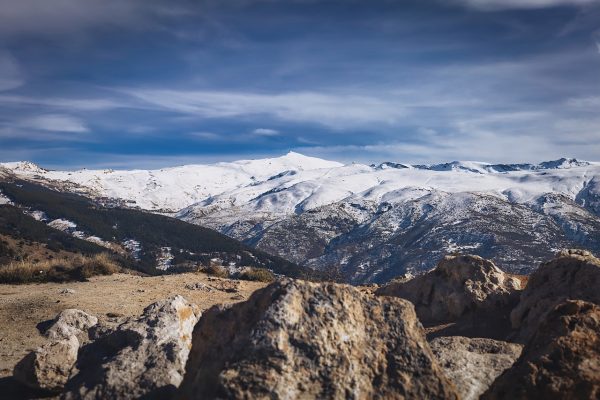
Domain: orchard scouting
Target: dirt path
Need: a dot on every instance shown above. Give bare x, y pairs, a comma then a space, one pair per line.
23, 307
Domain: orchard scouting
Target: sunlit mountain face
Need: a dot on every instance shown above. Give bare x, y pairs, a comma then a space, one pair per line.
152, 84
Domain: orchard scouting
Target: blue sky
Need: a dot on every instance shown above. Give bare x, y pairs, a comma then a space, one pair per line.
147, 83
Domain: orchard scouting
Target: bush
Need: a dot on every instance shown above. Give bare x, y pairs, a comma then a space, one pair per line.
100, 264
216, 270
257, 274
77, 269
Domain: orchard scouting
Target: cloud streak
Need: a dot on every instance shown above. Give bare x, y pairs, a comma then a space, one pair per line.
266, 132
499, 5
54, 123
10, 72
43, 17
335, 111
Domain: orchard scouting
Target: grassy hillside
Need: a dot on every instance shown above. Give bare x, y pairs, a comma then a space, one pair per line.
26, 230
189, 243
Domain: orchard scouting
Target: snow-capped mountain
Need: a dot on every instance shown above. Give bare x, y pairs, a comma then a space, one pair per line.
170, 189
371, 222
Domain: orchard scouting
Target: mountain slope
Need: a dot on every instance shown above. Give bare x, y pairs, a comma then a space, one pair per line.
25, 238
151, 242
377, 222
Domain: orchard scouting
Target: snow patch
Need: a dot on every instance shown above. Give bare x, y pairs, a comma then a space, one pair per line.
133, 247
165, 260
5, 200
38, 215
63, 225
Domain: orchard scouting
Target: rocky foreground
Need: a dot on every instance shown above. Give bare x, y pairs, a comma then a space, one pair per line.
465, 330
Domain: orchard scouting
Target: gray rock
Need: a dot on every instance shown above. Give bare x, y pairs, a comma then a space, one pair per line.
560, 361
572, 274
142, 357
459, 285
295, 339
198, 286
472, 364
71, 322
48, 367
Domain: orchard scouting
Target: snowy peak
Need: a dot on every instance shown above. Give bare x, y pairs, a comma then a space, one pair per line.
563, 163
389, 164
26, 167
466, 166
482, 167
295, 182
289, 162
171, 189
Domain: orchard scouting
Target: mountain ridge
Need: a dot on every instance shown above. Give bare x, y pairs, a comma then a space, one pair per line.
370, 222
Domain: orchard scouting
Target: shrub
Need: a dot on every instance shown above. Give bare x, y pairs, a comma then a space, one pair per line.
257, 274
216, 270
79, 268
100, 264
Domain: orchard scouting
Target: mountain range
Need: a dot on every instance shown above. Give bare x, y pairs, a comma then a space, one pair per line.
369, 223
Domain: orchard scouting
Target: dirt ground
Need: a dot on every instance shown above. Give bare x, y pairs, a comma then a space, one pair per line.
23, 307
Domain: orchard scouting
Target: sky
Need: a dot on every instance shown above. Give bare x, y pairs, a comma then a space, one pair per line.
149, 83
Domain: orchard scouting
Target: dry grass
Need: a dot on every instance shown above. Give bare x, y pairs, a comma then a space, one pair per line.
215, 270
257, 275
78, 268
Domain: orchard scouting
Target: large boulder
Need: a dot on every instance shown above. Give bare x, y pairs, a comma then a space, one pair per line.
458, 286
572, 274
71, 322
561, 361
142, 357
48, 367
295, 339
472, 364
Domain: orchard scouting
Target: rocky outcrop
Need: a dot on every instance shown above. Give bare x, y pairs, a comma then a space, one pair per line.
459, 285
296, 339
472, 364
142, 357
48, 367
561, 361
572, 274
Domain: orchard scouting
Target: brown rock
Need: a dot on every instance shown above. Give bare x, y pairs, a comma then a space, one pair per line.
296, 339
561, 361
142, 357
48, 367
472, 364
572, 274
458, 286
